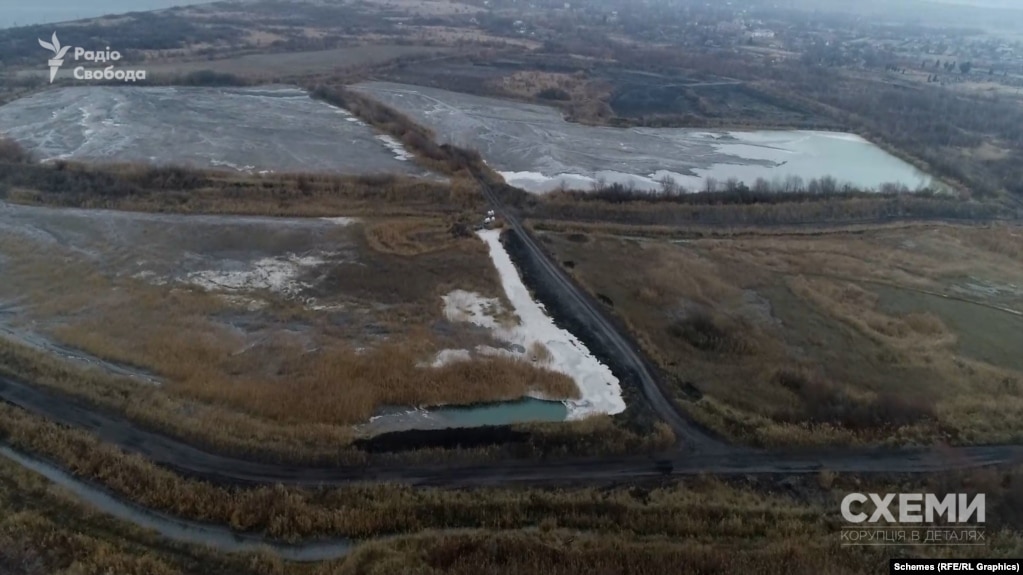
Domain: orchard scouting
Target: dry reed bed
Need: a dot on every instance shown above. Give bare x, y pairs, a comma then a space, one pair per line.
335, 385
409, 236
207, 426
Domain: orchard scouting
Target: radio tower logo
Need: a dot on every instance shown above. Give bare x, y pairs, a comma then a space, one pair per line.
58, 54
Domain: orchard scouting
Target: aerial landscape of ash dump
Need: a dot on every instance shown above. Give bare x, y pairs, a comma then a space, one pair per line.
486, 287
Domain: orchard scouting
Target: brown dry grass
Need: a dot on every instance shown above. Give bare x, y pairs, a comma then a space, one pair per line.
796, 339
204, 425
1005, 240
858, 307
228, 431
681, 508
409, 236
341, 386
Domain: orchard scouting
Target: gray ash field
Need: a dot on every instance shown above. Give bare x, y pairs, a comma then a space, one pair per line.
219, 253
271, 128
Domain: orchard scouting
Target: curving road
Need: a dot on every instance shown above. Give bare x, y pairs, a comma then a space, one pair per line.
199, 464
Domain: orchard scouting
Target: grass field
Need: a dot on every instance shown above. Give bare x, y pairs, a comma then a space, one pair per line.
891, 335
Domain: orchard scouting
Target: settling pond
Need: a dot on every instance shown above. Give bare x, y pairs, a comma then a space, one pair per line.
524, 410
536, 149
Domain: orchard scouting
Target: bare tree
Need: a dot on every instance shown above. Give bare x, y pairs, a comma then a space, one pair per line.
828, 185
669, 187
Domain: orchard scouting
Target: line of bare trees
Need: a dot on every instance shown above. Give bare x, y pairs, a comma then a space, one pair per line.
789, 189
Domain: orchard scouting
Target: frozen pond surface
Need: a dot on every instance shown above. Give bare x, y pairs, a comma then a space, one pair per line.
496, 413
536, 149
216, 253
271, 128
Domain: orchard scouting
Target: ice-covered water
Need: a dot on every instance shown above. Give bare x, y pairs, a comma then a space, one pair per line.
264, 129
536, 149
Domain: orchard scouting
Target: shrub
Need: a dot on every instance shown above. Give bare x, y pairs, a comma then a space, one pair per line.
11, 151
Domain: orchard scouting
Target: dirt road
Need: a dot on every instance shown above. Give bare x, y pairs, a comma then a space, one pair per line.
193, 462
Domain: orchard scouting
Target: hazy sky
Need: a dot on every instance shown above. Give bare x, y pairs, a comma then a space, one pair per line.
985, 3
24, 12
